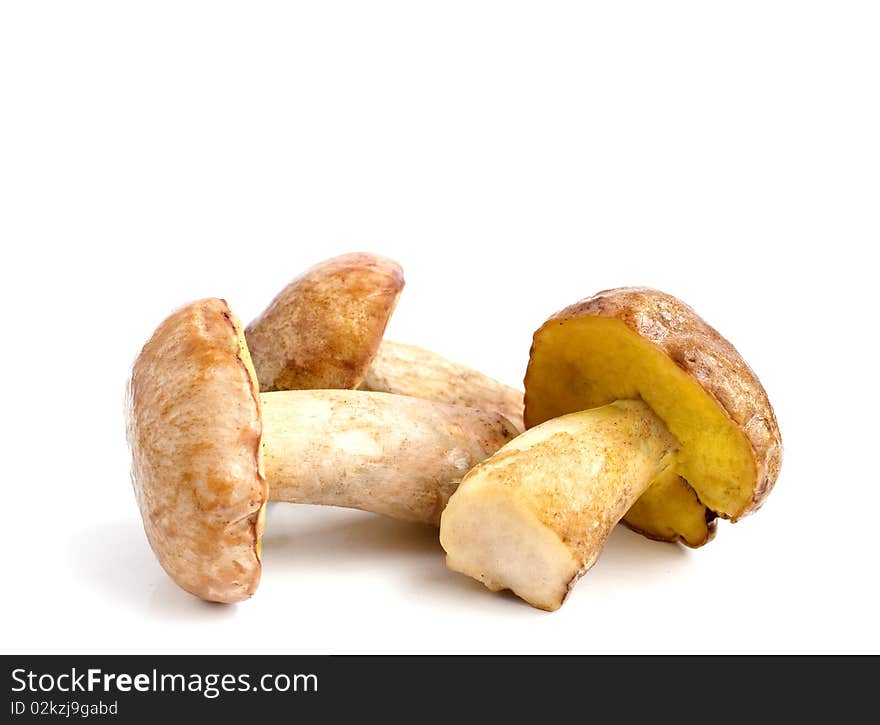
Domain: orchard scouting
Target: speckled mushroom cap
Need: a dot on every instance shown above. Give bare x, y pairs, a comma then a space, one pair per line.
640, 343
324, 328
194, 428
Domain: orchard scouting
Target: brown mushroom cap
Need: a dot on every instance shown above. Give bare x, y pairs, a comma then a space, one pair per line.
194, 427
642, 343
324, 328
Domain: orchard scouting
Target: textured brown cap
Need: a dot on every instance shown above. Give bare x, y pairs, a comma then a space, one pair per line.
323, 329
194, 428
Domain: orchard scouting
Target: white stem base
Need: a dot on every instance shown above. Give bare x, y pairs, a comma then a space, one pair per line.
535, 516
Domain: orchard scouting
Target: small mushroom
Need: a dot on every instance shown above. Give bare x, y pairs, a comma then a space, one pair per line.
325, 328
637, 409
209, 450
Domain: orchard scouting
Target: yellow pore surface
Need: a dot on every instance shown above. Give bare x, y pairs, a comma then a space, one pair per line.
586, 362
670, 511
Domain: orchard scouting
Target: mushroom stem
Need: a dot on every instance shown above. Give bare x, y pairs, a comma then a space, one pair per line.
393, 455
410, 370
535, 516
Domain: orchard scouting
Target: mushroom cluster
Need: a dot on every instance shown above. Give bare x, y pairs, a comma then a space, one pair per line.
635, 410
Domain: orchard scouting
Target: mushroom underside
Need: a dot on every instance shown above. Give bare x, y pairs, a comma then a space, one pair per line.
588, 362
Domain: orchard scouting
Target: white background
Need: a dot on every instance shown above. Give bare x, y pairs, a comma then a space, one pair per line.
515, 157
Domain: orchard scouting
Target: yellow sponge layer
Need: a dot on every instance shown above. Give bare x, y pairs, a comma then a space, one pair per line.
590, 361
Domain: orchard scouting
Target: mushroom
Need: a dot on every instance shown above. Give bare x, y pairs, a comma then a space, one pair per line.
209, 450
636, 409
325, 328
